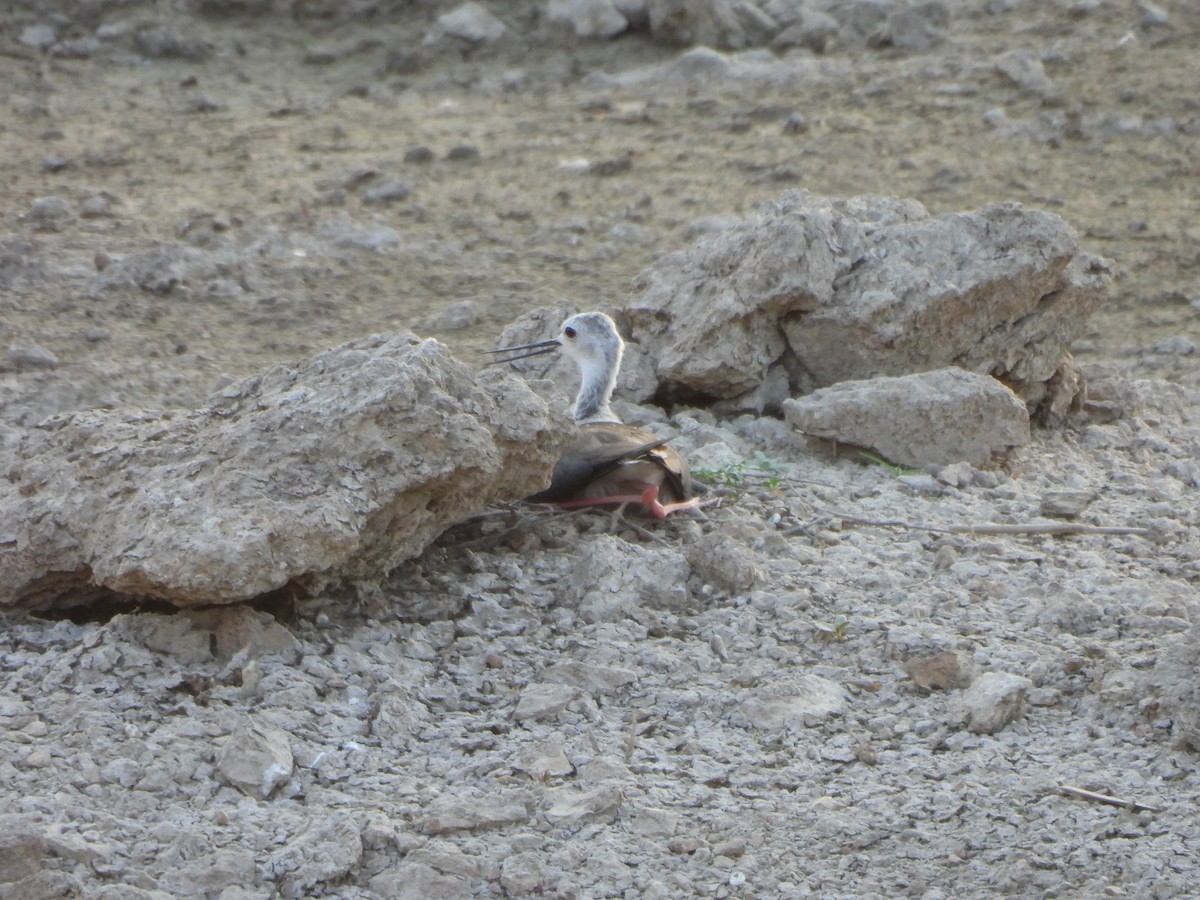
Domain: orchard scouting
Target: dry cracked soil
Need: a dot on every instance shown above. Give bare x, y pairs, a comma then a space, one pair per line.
771, 702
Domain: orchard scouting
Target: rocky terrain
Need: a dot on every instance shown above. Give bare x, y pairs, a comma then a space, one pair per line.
849, 678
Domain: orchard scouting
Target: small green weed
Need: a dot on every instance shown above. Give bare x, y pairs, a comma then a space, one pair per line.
762, 469
891, 467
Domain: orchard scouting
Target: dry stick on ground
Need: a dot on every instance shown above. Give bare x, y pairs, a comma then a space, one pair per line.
526, 521
1105, 798
984, 527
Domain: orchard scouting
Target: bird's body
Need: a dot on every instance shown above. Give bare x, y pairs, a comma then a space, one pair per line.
608, 462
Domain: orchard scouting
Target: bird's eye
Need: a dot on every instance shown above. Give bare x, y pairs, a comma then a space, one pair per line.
569, 332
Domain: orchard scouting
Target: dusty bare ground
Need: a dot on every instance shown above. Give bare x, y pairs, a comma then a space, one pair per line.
684, 760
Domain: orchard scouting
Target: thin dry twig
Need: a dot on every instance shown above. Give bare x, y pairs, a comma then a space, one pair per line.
1105, 798
526, 521
1052, 528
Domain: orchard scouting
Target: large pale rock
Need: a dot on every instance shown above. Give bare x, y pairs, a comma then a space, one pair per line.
939, 418
588, 18
790, 703
334, 471
824, 290
327, 848
992, 701
731, 24
469, 22
256, 759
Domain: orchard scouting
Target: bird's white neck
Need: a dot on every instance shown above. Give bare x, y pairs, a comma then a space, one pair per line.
598, 378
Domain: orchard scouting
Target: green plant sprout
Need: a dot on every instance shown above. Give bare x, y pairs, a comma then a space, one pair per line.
891, 467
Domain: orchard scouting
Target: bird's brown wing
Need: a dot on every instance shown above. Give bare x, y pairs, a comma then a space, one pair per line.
612, 453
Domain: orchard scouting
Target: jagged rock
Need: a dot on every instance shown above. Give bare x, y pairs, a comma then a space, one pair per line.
588, 18
1065, 504
477, 811
613, 576
469, 22
22, 846
936, 418
591, 677
216, 872
570, 806
829, 290
417, 881
525, 874
992, 701
1177, 678
324, 851
724, 562
720, 23
543, 701
26, 357
256, 759
916, 25
335, 471
790, 703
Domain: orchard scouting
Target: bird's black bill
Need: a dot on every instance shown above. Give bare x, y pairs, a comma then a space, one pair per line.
539, 349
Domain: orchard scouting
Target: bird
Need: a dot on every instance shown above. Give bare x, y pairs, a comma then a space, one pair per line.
608, 462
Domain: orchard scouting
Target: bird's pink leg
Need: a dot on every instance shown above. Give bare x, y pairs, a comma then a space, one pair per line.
647, 498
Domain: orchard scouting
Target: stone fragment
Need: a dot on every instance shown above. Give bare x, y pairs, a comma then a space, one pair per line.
172, 636
992, 701
917, 25
334, 471
1176, 682
1065, 608
724, 562
26, 357
720, 23
161, 42
790, 703
929, 418
388, 190
324, 851
49, 209
398, 717
596, 679
344, 231
543, 701
225, 868
477, 811
469, 22
37, 36
418, 881
1065, 504
526, 874
256, 758
941, 672
22, 846
588, 18
544, 760
829, 290
233, 629
654, 823
1024, 69
612, 576
570, 807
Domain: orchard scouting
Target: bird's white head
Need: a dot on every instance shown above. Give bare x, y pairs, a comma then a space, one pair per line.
592, 340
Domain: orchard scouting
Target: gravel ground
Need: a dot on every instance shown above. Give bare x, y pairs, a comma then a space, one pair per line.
843, 682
